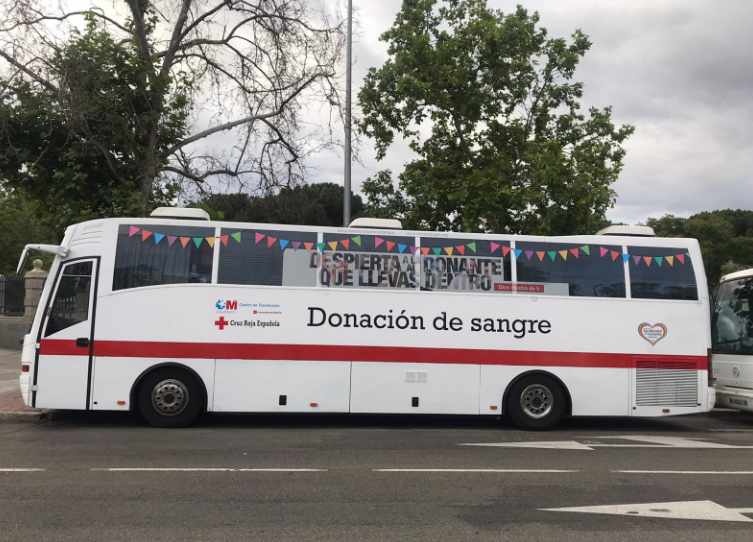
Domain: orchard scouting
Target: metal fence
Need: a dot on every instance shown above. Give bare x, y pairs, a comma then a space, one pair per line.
11, 296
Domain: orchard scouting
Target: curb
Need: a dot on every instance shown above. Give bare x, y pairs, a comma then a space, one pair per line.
23, 416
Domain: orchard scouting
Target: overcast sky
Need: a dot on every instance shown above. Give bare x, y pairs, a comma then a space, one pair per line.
681, 72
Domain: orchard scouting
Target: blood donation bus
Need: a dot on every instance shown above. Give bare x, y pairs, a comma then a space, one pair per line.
732, 338
175, 315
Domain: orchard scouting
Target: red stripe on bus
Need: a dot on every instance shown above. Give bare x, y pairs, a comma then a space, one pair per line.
399, 354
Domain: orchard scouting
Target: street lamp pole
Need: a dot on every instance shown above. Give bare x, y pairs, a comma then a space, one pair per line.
348, 56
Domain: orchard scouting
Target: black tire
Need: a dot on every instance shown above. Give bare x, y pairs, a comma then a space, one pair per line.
536, 402
170, 397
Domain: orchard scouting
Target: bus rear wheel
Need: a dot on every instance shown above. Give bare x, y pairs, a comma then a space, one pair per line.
536, 402
170, 397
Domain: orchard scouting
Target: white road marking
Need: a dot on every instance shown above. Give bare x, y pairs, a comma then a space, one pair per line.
24, 469
202, 469
548, 444
510, 471
684, 471
694, 510
635, 441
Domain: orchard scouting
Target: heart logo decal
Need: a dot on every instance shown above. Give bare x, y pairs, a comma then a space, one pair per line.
653, 333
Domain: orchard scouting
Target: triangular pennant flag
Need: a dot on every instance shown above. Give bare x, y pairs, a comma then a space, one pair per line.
133, 230
472, 246
448, 251
296, 244
529, 254
320, 247
518, 252
637, 260
332, 245
614, 254
197, 241
356, 239
424, 251
210, 241
552, 254
283, 243
602, 251
158, 237
493, 246
171, 240
145, 235
540, 255
586, 250
345, 243
271, 241
505, 250
378, 242
626, 258
659, 260
225, 238
647, 259
680, 258
259, 237
236, 235
184, 241
401, 247
563, 254
575, 252
460, 249
670, 260
437, 251
308, 245
390, 246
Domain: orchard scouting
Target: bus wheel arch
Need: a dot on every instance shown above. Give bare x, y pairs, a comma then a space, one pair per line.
534, 380
169, 395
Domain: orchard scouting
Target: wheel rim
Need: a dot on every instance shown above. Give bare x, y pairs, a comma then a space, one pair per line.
536, 401
170, 397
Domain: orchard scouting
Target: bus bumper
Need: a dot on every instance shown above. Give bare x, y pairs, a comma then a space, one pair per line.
737, 398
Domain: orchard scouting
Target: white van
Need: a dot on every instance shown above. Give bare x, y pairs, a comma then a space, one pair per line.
732, 335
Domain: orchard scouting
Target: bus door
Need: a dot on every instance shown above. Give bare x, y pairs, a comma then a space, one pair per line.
62, 371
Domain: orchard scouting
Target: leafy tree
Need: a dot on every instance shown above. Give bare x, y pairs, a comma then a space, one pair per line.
19, 225
488, 102
725, 236
314, 204
77, 147
257, 63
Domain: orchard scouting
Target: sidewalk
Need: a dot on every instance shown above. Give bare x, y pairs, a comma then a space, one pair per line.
11, 404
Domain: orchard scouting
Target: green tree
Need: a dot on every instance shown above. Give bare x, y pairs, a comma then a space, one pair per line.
19, 225
319, 204
76, 147
488, 103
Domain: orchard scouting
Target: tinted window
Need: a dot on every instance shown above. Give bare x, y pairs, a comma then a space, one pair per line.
267, 257
368, 261
661, 273
464, 264
149, 255
733, 319
572, 269
71, 304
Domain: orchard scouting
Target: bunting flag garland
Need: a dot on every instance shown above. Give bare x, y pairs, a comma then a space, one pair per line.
355, 242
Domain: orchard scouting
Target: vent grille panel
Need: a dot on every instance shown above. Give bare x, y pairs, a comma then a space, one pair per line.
666, 383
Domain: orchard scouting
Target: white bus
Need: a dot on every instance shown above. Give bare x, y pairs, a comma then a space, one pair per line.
732, 336
172, 317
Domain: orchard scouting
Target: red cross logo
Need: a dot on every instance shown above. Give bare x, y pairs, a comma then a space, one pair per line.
221, 323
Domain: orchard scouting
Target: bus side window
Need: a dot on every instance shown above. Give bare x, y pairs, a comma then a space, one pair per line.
71, 303
471, 265
661, 273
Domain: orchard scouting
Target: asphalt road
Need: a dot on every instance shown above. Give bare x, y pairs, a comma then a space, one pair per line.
106, 477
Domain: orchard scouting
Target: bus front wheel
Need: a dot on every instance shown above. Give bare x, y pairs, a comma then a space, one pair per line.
536, 402
170, 397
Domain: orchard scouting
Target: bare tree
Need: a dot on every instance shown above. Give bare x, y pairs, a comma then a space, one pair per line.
249, 67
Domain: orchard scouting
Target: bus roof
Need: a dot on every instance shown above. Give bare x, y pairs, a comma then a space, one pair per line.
745, 273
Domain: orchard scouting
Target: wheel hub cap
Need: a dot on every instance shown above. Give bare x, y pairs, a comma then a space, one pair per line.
170, 397
536, 401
